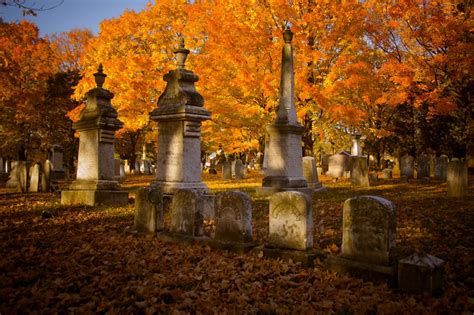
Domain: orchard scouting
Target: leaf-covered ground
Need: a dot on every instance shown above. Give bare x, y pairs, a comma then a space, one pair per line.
89, 259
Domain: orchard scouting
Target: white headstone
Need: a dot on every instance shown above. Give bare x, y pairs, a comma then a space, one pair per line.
34, 178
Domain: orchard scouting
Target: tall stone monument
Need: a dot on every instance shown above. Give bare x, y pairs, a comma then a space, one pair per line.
356, 149
95, 180
179, 115
284, 171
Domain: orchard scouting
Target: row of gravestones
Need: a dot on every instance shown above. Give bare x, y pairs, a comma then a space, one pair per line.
369, 232
27, 177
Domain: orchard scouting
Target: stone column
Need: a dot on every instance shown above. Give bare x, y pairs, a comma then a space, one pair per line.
95, 180
356, 149
179, 115
284, 171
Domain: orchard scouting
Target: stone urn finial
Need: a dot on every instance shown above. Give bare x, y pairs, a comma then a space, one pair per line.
287, 35
100, 76
181, 54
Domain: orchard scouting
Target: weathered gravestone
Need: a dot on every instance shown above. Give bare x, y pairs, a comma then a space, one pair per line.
233, 221
57, 159
95, 179
239, 169
14, 177
145, 167
179, 114
290, 221
2, 166
440, 167
187, 213
406, 166
338, 164
23, 176
359, 170
46, 176
420, 273
284, 171
387, 173
310, 172
423, 167
325, 164
126, 167
148, 210
457, 178
226, 170
34, 178
373, 179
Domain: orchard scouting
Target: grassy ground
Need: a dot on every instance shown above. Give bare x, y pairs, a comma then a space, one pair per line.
89, 260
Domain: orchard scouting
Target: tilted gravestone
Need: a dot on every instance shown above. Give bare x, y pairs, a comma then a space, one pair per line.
359, 170
406, 166
291, 221
187, 213
233, 217
369, 229
423, 169
440, 167
34, 177
457, 178
310, 172
148, 210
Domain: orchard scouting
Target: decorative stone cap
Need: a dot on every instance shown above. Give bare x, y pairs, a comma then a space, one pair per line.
287, 35
98, 111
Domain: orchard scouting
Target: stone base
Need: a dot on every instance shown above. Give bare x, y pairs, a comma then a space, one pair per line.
239, 248
94, 197
366, 271
306, 258
268, 191
172, 187
180, 238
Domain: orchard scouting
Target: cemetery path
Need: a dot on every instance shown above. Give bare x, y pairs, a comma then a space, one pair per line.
89, 260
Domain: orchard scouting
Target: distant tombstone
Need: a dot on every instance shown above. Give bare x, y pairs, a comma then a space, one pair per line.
373, 179
440, 167
423, 168
14, 176
232, 168
359, 170
57, 158
148, 210
291, 221
46, 176
457, 178
23, 176
406, 166
226, 171
420, 273
387, 173
310, 173
145, 167
187, 213
122, 171
369, 229
233, 217
34, 178
239, 169
325, 164
137, 167
337, 165
126, 167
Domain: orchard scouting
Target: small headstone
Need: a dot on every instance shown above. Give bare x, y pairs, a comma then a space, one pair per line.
423, 169
373, 179
187, 213
291, 221
126, 167
387, 173
34, 178
145, 167
233, 215
239, 169
310, 173
457, 178
148, 210
359, 171
57, 158
137, 168
440, 167
420, 273
226, 171
46, 176
14, 178
337, 165
406, 166
369, 229
325, 164
23, 176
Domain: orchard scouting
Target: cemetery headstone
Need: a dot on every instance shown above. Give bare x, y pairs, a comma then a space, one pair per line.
148, 210
46, 176
325, 164
369, 229
373, 179
440, 167
423, 169
23, 176
310, 172
34, 177
226, 171
239, 169
95, 179
337, 165
457, 178
179, 114
420, 273
291, 221
126, 167
233, 217
187, 213
406, 166
14, 178
387, 173
356, 149
284, 171
359, 170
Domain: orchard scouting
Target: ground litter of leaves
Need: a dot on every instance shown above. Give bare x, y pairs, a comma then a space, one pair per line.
89, 260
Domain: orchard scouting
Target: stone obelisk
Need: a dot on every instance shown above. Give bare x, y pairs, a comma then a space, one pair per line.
95, 180
284, 170
179, 114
